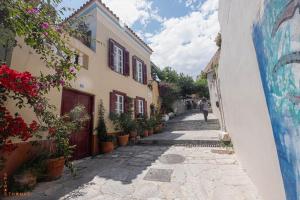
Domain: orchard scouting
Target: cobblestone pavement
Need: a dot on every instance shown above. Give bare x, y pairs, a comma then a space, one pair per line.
198, 174
153, 173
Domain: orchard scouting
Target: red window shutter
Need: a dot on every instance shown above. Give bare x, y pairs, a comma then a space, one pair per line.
111, 54
145, 108
145, 74
126, 103
136, 107
134, 68
126, 63
112, 102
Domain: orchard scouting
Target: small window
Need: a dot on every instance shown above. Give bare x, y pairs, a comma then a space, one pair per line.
120, 104
77, 58
141, 106
139, 71
118, 59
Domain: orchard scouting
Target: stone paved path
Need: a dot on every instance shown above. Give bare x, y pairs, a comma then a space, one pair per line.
193, 121
153, 173
189, 128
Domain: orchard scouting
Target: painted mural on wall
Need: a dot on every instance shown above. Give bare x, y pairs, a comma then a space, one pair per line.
276, 36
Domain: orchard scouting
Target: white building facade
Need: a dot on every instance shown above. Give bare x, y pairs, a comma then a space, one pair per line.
259, 83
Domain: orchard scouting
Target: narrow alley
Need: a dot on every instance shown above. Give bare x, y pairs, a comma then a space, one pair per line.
158, 171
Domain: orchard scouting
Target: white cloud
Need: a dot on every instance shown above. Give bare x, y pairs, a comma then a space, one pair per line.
187, 43
184, 43
131, 11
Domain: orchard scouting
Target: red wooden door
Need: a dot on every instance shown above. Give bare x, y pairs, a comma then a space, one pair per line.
82, 138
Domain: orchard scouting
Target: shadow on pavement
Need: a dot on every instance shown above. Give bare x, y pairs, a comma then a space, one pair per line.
123, 165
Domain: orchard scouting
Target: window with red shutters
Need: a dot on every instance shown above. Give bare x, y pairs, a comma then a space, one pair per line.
139, 70
140, 107
118, 58
119, 102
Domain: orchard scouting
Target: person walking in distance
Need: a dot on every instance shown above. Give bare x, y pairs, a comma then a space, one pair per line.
205, 108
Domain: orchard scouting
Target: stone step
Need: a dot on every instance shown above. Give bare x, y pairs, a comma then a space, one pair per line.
205, 143
200, 138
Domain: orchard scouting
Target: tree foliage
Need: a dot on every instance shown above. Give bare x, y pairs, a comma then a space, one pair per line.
181, 85
169, 93
218, 40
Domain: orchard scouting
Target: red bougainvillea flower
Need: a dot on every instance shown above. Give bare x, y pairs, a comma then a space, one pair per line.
51, 131
14, 127
19, 82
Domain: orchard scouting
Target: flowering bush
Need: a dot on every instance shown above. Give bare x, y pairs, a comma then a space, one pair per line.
14, 127
18, 82
39, 24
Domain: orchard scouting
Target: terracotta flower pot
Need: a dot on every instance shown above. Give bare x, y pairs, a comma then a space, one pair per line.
151, 131
146, 133
161, 126
123, 140
133, 134
157, 129
106, 147
55, 168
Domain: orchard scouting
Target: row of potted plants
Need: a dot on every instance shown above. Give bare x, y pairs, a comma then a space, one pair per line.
128, 127
49, 163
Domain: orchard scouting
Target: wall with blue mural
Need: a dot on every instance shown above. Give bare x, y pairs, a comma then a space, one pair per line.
276, 36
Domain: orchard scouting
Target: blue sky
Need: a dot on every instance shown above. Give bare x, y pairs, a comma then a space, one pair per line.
181, 32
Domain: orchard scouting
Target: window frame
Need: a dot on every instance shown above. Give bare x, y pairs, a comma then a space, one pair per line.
136, 70
119, 105
118, 58
141, 109
139, 71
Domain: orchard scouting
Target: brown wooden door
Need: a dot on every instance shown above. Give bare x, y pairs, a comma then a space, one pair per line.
82, 139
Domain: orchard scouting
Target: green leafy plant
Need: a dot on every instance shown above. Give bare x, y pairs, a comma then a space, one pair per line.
101, 128
124, 122
152, 122
141, 125
60, 133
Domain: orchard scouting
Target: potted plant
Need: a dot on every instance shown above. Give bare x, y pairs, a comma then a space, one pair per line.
124, 124
142, 126
133, 133
106, 141
146, 126
158, 125
60, 148
151, 124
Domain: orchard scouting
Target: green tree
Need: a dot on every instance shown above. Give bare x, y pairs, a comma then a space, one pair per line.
186, 85
169, 93
201, 87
